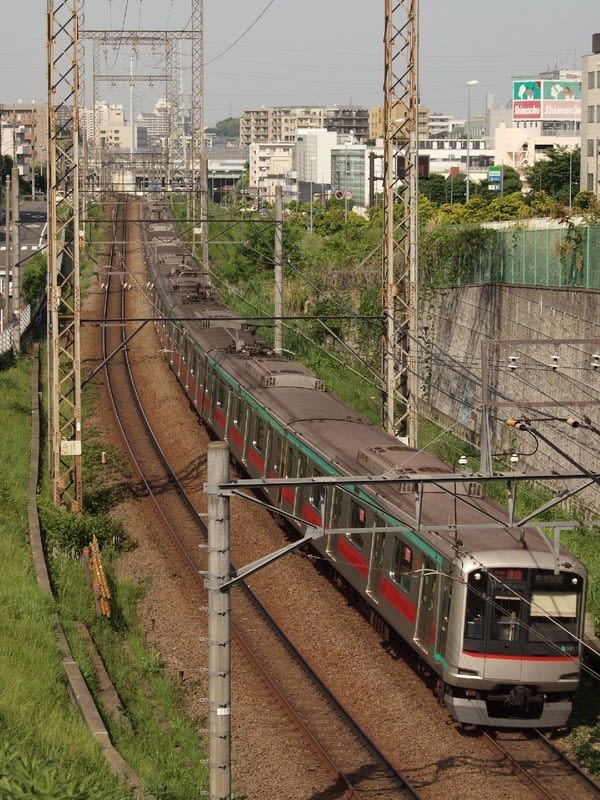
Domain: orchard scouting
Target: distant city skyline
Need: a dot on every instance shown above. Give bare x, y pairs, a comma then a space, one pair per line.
272, 53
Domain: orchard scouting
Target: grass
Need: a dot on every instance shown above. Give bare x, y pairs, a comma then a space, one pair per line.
46, 750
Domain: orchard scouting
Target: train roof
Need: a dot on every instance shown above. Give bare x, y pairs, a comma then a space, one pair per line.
351, 445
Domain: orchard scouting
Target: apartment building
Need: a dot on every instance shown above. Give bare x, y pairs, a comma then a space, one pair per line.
279, 124
23, 133
590, 119
399, 111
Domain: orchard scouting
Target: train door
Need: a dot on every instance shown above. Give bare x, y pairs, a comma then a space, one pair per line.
335, 518
376, 560
424, 625
445, 603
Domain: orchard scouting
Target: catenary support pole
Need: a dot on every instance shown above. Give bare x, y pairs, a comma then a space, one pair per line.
219, 642
278, 344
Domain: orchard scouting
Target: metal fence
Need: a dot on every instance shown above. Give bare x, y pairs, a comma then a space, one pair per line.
557, 257
7, 336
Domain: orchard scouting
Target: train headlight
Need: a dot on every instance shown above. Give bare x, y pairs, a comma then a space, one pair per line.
574, 581
477, 576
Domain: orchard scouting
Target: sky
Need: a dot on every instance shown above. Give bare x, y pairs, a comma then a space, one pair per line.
311, 52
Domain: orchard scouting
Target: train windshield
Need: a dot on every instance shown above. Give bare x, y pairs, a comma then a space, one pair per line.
555, 607
531, 610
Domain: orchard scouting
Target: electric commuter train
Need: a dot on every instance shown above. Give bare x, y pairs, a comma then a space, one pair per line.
493, 613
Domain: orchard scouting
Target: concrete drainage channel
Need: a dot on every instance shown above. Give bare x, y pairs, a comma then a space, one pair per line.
77, 686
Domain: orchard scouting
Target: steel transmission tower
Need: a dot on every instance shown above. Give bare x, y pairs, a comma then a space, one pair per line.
64, 309
198, 158
400, 219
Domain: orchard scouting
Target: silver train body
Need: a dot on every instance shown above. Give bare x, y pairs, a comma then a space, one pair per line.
495, 616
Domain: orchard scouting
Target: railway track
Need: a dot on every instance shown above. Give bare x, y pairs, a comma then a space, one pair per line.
544, 768
358, 768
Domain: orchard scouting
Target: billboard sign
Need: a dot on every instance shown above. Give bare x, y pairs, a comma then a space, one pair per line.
553, 100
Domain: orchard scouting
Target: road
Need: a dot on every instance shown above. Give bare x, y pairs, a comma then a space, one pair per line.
33, 231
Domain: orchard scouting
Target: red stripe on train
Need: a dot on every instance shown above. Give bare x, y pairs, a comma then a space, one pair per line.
398, 600
513, 657
352, 555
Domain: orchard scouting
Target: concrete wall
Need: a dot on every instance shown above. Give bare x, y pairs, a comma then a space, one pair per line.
459, 320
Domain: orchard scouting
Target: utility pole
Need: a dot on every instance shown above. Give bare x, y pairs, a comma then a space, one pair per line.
15, 250
64, 299
219, 631
278, 344
400, 245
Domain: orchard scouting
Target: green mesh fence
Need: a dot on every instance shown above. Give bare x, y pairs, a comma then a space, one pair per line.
550, 257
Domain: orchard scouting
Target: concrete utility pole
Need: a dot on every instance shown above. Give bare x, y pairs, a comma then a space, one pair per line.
219, 636
278, 344
400, 191
64, 299
15, 250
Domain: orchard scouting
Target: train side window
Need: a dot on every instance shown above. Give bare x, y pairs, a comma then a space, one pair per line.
317, 492
476, 604
235, 408
275, 454
402, 564
259, 439
358, 519
289, 462
220, 393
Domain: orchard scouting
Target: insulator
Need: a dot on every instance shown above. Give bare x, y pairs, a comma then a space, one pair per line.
512, 362
596, 361
554, 361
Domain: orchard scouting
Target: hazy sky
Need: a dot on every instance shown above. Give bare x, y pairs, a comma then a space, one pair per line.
313, 52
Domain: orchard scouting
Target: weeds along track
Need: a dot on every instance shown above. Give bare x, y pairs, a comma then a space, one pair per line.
357, 767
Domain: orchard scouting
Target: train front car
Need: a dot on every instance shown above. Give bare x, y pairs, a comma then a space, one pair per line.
515, 658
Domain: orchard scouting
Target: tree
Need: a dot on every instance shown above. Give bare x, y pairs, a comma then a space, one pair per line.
557, 174
435, 188
227, 128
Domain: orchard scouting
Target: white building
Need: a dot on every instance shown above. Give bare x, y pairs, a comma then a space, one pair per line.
524, 146
111, 132
312, 160
269, 163
590, 119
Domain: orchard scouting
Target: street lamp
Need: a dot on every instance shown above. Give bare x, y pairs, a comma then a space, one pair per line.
469, 84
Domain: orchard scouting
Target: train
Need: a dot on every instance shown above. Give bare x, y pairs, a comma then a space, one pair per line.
494, 614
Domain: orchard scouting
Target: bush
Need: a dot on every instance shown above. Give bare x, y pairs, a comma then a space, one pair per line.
70, 533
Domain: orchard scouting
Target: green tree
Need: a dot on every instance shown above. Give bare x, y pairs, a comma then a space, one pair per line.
435, 188
557, 174
228, 128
